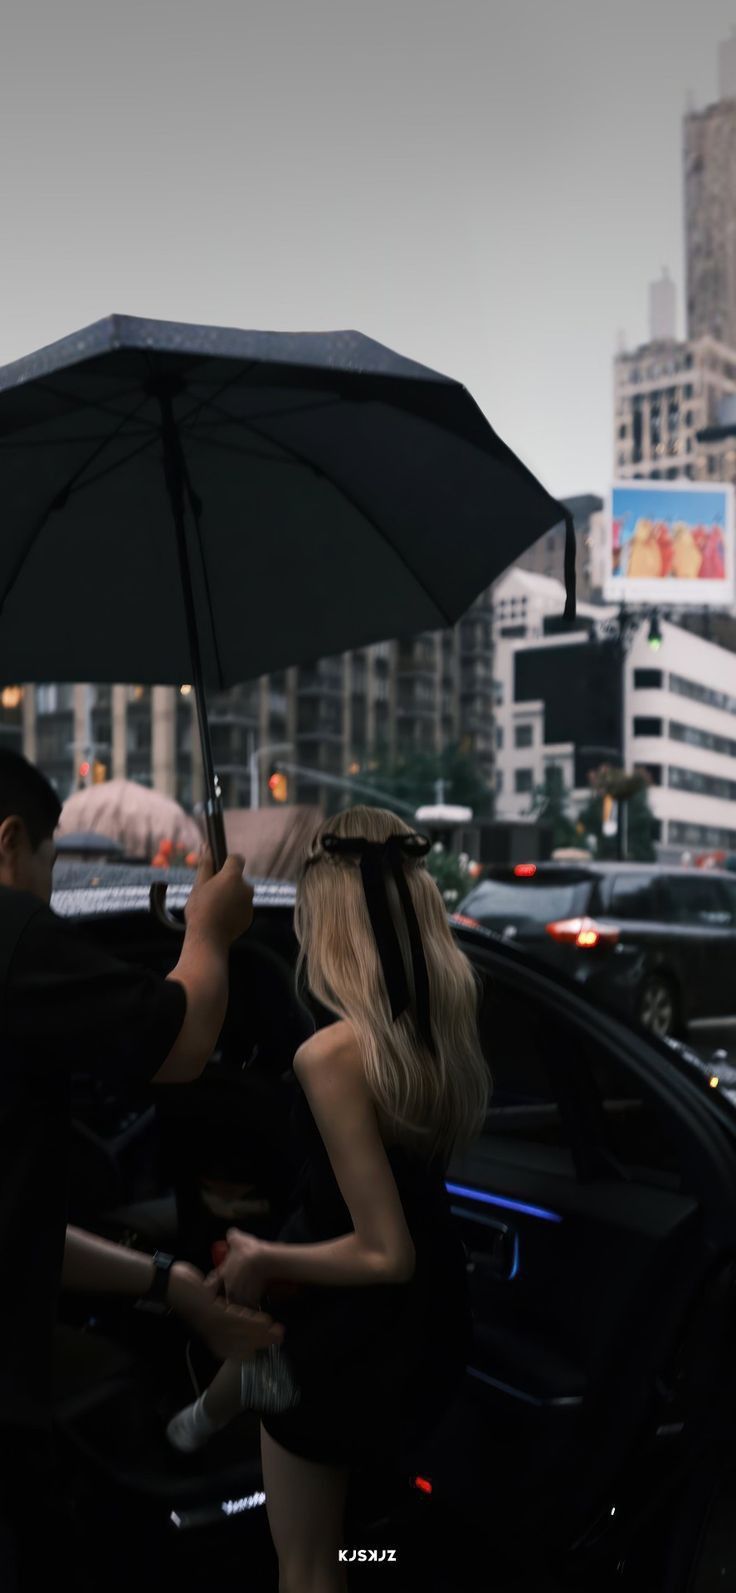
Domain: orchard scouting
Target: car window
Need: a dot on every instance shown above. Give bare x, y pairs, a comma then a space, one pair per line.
635, 1127
523, 1043
633, 896
729, 891
500, 902
696, 899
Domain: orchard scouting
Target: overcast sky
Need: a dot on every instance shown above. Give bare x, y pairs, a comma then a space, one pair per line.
486, 187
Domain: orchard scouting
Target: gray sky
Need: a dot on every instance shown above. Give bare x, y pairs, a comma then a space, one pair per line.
486, 187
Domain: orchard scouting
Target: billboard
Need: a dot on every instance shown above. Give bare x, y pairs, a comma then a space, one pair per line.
670, 543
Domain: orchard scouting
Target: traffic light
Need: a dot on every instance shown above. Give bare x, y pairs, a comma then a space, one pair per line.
84, 768
278, 786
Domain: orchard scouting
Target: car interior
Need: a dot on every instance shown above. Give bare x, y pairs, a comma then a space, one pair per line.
590, 1209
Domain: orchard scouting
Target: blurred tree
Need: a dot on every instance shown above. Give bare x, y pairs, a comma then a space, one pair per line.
550, 804
640, 827
639, 822
412, 777
451, 873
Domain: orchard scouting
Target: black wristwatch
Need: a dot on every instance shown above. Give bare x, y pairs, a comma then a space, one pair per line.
156, 1300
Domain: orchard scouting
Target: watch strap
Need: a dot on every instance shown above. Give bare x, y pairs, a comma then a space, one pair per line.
156, 1299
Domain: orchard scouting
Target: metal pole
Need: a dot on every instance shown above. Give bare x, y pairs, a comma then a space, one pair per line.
620, 842
174, 472
253, 769
260, 752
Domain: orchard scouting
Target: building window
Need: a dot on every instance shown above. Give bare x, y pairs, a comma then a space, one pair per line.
523, 780
705, 835
704, 694
703, 784
647, 727
702, 738
499, 781
523, 735
647, 679
499, 737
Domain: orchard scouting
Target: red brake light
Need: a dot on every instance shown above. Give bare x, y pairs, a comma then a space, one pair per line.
525, 870
423, 1484
462, 918
584, 933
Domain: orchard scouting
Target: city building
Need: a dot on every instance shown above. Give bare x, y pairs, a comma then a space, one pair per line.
547, 556
665, 392
563, 702
552, 700
710, 204
325, 723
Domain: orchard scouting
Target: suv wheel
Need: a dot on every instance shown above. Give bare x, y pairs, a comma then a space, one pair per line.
657, 1006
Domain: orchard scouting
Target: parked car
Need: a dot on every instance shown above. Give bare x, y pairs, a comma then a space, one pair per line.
592, 1445
657, 943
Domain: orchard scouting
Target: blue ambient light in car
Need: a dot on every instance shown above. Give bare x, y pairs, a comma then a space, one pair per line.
501, 1200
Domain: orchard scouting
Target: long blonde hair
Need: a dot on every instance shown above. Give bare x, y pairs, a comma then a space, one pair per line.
436, 1103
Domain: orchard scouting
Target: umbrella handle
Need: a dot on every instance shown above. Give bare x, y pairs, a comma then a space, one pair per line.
160, 911
216, 838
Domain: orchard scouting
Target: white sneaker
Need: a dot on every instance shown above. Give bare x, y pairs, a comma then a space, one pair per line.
190, 1429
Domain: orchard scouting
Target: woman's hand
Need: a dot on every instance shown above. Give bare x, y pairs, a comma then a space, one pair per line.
231, 1332
244, 1269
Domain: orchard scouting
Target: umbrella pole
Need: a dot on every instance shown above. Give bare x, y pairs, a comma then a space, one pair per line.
174, 472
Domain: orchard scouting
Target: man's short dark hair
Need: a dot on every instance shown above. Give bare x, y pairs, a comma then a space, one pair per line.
28, 795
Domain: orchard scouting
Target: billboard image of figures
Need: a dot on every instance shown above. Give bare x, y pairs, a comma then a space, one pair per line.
671, 542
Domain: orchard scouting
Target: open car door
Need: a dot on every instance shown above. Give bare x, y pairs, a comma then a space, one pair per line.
598, 1211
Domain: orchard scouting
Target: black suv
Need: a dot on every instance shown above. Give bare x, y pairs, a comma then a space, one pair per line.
658, 943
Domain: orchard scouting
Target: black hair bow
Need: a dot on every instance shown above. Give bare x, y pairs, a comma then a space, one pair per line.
376, 858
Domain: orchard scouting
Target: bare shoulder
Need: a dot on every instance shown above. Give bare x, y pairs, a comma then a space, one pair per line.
332, 1050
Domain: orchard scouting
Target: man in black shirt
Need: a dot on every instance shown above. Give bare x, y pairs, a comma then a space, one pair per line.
60, 1002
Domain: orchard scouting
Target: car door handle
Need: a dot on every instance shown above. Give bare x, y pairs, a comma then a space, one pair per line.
494, 1253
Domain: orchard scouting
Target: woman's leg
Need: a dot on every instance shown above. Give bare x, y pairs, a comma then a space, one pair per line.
305, 1505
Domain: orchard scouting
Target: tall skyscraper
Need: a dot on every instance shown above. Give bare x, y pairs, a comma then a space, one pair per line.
710, 210
662, 307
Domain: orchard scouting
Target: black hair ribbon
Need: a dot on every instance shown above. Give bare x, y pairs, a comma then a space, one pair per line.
376, 857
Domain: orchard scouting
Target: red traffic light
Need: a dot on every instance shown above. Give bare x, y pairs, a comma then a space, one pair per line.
278, 786
84, 769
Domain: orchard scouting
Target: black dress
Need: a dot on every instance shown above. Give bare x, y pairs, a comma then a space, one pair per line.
377, 1364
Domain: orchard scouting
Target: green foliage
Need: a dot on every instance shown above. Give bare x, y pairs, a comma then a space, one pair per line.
451, 874
550, 805
638, 821
412, 778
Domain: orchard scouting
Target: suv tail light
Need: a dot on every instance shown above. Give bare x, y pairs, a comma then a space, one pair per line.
584, 933
462, 918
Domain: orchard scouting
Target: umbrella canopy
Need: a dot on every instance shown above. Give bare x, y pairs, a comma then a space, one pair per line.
137, 817
195, 503
332, 494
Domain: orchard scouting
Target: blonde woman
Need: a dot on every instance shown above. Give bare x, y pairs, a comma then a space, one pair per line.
377, 1320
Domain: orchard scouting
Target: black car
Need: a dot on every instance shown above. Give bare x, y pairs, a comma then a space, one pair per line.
657, 943
592, 1447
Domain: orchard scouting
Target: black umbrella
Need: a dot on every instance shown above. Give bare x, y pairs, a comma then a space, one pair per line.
193, 503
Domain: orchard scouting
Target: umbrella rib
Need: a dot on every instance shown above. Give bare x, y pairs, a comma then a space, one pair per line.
268, 414
57, 442
295, 457
246, 453
86, 403
58, 502
118, 464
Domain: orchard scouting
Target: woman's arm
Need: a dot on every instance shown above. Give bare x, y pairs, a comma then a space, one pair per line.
96, 1265
380, 1249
